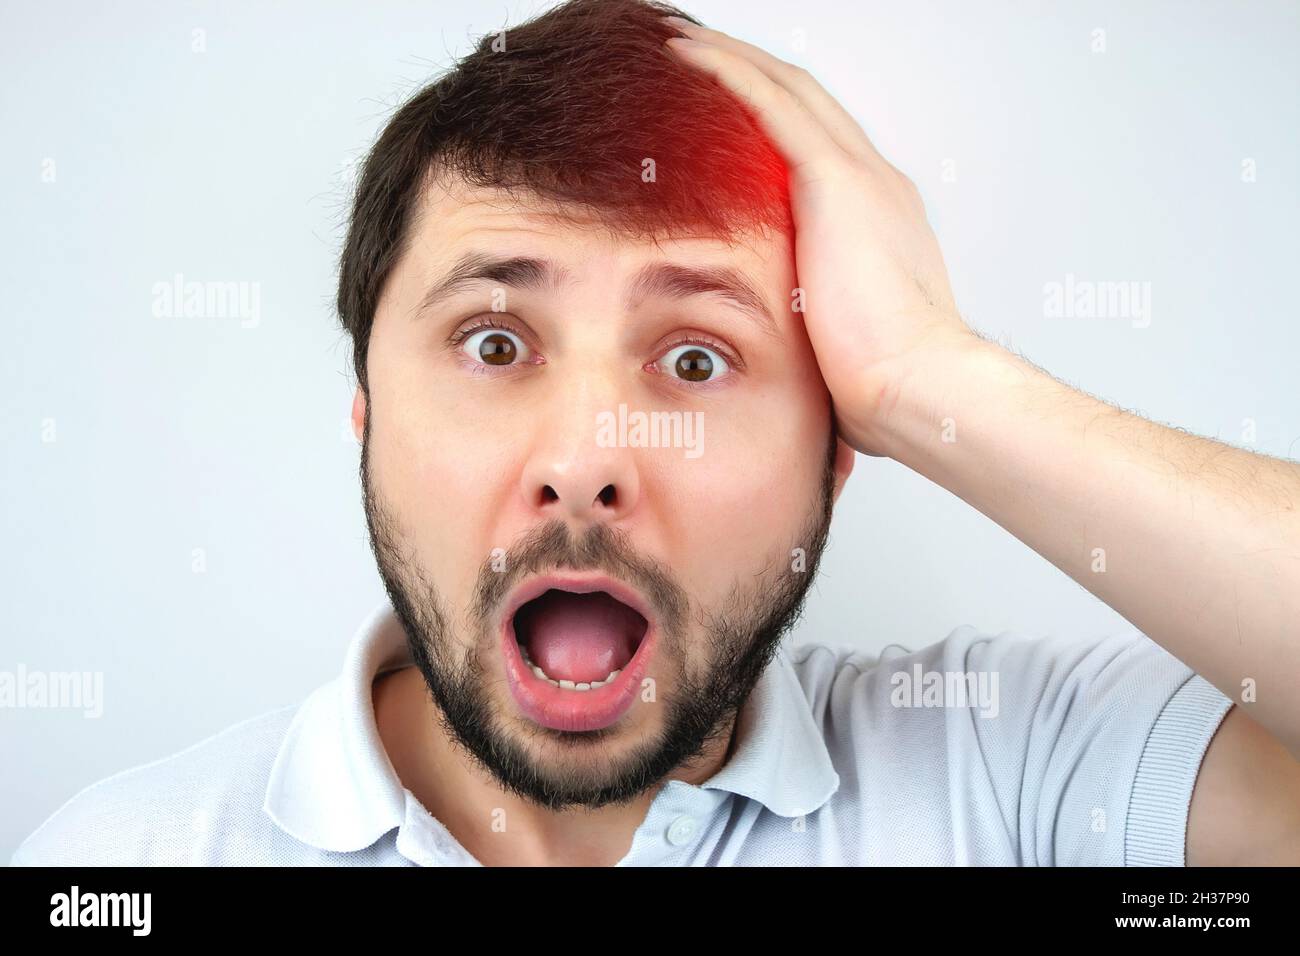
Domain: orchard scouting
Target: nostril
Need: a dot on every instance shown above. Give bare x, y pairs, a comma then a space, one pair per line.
549, 495
607, 495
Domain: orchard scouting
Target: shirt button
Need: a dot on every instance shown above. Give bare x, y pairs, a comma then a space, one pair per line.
681, 830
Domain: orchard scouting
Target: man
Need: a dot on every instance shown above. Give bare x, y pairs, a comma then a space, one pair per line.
618, 338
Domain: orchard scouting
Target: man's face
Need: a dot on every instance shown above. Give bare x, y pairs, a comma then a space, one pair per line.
647, 439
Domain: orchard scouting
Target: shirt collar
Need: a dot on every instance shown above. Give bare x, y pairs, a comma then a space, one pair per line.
780, 756
332, 785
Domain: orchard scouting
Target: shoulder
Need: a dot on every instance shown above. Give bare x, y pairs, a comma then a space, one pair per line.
180, 809
998, 689
834, 676
1062, 750
1039, 667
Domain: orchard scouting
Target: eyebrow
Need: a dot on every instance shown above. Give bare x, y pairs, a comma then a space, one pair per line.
656, 280
519, 272
671, 281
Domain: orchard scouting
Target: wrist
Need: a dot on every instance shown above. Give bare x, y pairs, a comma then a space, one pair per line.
908, 397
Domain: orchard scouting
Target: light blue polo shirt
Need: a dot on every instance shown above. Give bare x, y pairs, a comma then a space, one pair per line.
976, 750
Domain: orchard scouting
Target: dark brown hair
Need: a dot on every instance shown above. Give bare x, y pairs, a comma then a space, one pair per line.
562, 111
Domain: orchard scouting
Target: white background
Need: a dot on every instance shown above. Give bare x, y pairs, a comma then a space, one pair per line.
232, 164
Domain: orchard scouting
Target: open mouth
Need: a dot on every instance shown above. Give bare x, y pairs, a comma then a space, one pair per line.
578, 641
576, 650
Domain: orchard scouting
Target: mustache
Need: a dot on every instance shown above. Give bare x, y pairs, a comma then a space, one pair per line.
553, 546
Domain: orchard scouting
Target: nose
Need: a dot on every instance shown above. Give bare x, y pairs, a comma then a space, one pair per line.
570, 474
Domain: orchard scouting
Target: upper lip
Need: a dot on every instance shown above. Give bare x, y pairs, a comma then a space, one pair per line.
576, 583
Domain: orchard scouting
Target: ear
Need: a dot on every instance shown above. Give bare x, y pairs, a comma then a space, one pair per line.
844, 457
359, 414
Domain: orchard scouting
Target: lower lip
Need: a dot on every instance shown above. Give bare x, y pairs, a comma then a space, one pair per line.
573, 710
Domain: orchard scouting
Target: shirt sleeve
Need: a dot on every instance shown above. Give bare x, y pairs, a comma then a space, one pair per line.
1093, 748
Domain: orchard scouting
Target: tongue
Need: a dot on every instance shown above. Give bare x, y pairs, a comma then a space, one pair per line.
579, 637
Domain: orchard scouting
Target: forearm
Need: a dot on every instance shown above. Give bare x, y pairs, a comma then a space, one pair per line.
1194, 542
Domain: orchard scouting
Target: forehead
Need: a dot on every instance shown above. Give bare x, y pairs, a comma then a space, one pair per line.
455, 217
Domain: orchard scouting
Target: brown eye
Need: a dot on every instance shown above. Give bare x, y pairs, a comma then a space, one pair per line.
494, 347
695, 363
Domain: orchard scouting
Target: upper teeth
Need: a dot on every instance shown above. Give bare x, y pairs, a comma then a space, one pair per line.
566, 684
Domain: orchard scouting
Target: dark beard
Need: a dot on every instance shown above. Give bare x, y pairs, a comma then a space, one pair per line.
742, 637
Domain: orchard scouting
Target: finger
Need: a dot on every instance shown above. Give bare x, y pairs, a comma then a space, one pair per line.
839, 122
800, 137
